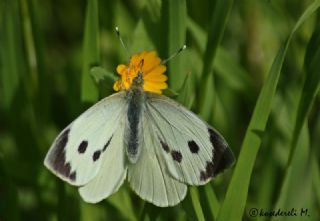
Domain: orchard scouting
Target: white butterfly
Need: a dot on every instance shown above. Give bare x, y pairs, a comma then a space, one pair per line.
156, 143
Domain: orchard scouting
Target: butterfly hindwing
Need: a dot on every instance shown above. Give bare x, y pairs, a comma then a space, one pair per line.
194, 152
111, 174
149, 177
75, 156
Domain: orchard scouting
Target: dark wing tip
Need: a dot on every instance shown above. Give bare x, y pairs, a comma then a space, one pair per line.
227, 160
223, 157
56, 160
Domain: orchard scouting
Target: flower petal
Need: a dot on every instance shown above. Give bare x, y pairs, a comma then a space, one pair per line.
154, 85
117, 85
151, 62
121, 69
157, 70
156, 77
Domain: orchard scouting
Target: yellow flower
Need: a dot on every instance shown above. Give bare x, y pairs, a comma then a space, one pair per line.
152, 72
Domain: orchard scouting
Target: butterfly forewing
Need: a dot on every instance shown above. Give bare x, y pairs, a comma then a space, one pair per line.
75, 156
193, 151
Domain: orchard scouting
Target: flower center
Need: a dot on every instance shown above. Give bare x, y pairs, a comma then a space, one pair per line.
146, 64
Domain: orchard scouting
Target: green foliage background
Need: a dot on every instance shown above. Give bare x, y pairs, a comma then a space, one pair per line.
252, 69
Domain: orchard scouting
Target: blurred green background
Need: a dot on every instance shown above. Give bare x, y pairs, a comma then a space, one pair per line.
251, 69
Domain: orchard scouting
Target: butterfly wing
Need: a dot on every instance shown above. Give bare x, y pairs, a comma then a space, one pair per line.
194, 152
111, 174
148, 177
75, 155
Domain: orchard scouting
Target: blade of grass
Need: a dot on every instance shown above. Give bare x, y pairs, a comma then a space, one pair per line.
91, 212
311, 82
194, 194
9, 208
298, 178
218, 22
122, 201
225, 65
168, 17
206, 110
177, 14
10, 51
316, 178
155, 18
212, 199
308, 93
236, 197
91, 53
186, 97
140, 39
30, 47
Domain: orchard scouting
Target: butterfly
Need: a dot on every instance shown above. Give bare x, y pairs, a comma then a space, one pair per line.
139, 134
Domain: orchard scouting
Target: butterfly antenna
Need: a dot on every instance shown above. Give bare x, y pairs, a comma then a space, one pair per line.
174, 54
121, 41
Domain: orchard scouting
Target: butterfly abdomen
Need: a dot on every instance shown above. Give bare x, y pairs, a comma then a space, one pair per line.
136, 99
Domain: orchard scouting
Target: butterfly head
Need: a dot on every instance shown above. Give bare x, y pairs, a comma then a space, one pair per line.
137, 81
145, 71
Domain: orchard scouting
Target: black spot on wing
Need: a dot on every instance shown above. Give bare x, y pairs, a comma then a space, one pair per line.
176, 155
73, 176
203, 176
193, 146
66, 170
210, 169
57, 158
107, 144
165, 146
83, 146
208, 172
96, 155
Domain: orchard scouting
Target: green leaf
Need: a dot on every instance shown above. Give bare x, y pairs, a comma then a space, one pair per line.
91, 53
104, 80
100, 74
170, 93
236, 197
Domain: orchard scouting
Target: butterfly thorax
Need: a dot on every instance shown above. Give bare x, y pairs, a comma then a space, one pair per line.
136, 98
